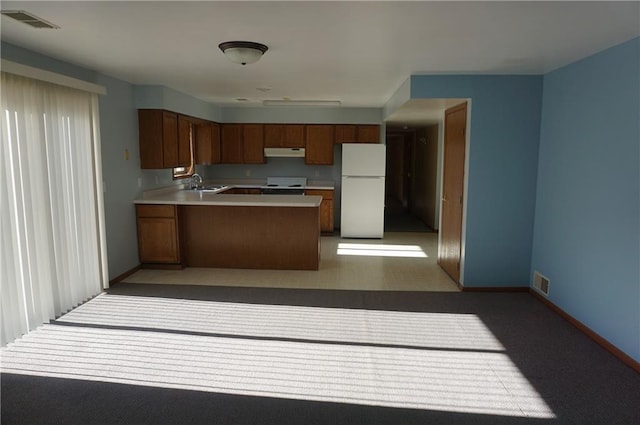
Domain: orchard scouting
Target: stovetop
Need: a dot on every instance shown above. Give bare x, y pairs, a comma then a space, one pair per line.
286, 182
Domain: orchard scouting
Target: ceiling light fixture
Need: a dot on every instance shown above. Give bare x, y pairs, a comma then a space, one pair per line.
286, 102
243, 52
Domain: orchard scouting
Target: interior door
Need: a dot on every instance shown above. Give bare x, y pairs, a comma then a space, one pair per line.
449, 249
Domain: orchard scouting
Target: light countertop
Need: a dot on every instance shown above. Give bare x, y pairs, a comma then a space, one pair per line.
175, 195
256, 183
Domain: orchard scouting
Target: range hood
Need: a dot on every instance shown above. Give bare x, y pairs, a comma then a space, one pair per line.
284, 152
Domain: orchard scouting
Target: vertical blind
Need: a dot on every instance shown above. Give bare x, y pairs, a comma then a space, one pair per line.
51, 219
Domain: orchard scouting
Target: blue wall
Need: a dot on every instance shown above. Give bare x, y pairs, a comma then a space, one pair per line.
160, 97
119, 134
502, 157
587, 232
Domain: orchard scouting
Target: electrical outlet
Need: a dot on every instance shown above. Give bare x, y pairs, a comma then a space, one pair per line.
248, 173
317, 173
157, 180
139, 181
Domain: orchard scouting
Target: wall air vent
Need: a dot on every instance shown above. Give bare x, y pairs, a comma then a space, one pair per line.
541, 283
29, 19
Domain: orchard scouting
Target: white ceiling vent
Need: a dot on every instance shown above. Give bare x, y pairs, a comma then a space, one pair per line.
29, 19
541, 283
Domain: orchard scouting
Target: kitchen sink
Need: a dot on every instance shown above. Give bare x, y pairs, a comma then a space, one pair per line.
214, 188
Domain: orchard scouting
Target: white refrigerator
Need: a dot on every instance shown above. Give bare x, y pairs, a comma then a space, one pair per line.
362, 200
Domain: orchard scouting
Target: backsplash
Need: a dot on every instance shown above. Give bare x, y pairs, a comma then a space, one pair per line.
277, 167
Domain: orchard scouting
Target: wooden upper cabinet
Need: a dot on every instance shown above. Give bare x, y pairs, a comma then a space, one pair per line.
158, 138
231, 144
253, 143
319, 147
242, 143
207, 143
273, 135
284, 136
294, 136
345, 133
185, 139
368, 134
364, 133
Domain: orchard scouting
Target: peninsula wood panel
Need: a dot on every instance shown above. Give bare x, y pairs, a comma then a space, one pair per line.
251, 237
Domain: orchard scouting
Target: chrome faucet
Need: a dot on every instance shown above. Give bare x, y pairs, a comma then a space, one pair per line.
196, 181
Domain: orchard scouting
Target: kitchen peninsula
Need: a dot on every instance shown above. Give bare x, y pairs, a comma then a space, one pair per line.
186, 228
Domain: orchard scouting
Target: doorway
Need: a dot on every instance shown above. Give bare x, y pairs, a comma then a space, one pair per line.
416, 134
410, 194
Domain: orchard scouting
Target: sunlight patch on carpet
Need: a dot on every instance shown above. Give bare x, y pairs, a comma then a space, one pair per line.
379, 358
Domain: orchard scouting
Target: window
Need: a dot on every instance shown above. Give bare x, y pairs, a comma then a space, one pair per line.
51, 219
183, 172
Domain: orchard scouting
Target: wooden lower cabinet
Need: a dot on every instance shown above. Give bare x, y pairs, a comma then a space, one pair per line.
158, 234
326, 208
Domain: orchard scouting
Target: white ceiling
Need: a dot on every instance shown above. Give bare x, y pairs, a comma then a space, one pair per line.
356, 52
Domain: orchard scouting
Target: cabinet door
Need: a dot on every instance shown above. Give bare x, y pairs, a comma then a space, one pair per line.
253, 143
170, 140
158, 240
207, 143
273, 135
158, 138
185, 140
293, 136
326, 216
345, 133
319, 147
368, 134
150, 138
231, 143
158, 237
326, 209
